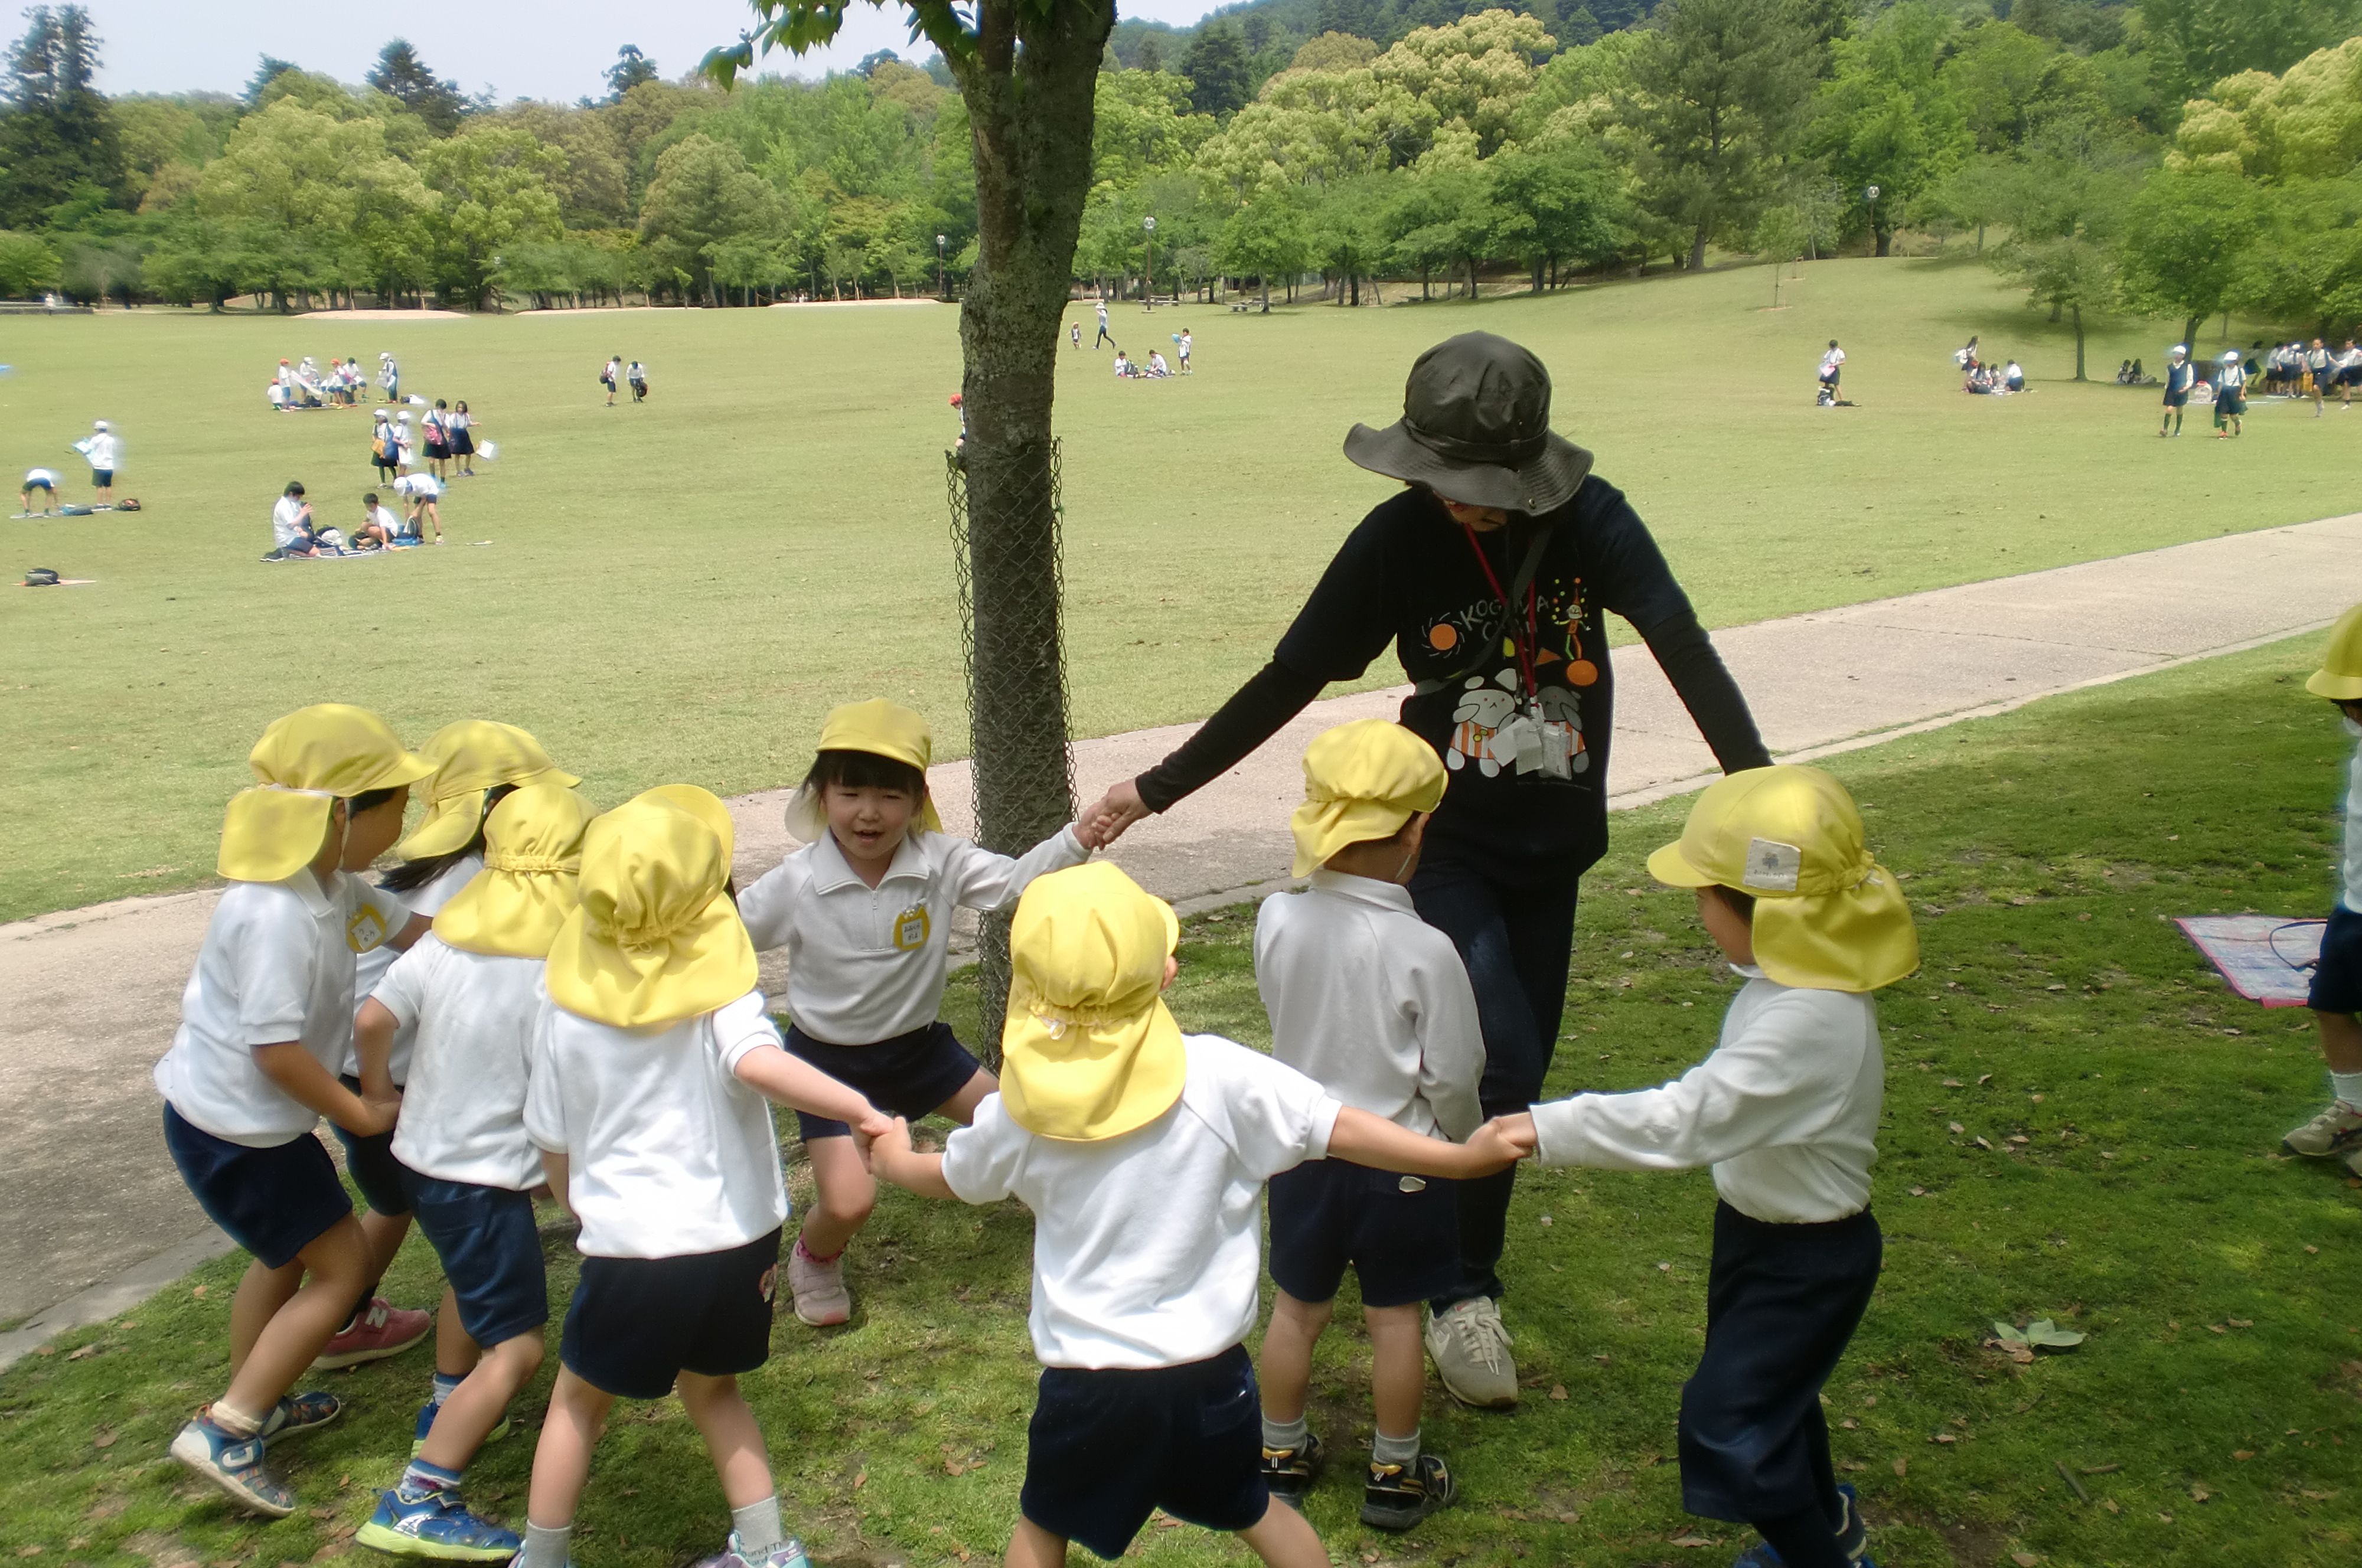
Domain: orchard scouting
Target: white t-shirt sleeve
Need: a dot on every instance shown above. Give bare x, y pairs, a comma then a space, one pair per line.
768, 909
545, 1103
1277, 1118
402, 992
740, 1026
982, 1160
1451, 1042
979, 879
274, 959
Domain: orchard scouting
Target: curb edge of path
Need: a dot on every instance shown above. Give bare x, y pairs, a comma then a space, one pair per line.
109, 1297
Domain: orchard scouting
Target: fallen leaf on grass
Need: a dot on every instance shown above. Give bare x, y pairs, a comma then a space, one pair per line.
1956, 1128
2023, 1559
198, 1294
2321, 1496
2241, 1322
1852, 1464
860, 1479
1943, 1437
104, 1438
1691, 1541
2200, 1495
1981, 1143
1558, 1391
84, 1353
2313, 1250
2109, 1503
2242, 1454
1902, 1467
2101, 1469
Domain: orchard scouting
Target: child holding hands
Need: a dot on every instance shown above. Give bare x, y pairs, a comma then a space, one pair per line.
647, 1096
1142, 1153
2336, 994
1785, 1110
264, 1025
864, 910
1374, 1004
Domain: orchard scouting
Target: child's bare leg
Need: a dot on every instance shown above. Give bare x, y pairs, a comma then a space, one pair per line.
1286, 1374
2341, 1041
1284, 1539
1034, 1546
474, 1409
455, 1351
261, 1294
1398, 1368
847, 1193
561, 1462
385, 1234
727, 1423
337, 1263
961, 1107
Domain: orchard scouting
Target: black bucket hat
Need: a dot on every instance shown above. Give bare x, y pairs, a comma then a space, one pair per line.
1475, 429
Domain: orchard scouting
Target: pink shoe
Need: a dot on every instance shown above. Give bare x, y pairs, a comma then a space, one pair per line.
820, 1297
377, 1330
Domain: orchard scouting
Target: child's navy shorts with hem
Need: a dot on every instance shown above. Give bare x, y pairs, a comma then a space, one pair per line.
1782, 1303
636, 1324
906, 1076
1107, 1447
1400, 1234
2337, 979
384, 1181
274, 1202
491, 1252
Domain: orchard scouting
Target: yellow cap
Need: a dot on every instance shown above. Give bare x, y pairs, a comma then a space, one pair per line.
471, 757
881, 728
1361, 780
706, 807
1090, 1051
654, 940
531, 879
307, 761
2339, 678
1828, 917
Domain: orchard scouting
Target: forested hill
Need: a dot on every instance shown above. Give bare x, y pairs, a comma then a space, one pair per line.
1273, 30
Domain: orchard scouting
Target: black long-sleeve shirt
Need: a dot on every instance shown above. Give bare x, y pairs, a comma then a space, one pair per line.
1407, 575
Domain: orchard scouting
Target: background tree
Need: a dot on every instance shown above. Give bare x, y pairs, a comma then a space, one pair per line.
265, 73
1781, 235
2185, 234
1717, 92
56, 132
400, 75
2197, 42
1216, 65
702, 198
28, 266
495, 186
631, 69
1265, 238
1885, 119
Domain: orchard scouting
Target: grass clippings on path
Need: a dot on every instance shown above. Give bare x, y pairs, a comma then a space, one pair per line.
2081, 1125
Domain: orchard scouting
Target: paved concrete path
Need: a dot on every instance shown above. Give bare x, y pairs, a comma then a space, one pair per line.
88, 998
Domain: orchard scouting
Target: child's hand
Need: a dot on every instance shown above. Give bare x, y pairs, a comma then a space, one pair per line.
877, 1124
378, 1115
1497, 1145
891, 1140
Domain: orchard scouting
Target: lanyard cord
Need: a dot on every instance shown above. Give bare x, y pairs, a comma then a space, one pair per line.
1533, 631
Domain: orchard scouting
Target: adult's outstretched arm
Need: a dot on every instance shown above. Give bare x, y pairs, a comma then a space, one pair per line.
1257, 711
1686, 654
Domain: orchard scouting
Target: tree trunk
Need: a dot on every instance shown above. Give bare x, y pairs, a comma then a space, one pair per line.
1029, 90
1697, 250
1884, 238
1981, 239
2079, 342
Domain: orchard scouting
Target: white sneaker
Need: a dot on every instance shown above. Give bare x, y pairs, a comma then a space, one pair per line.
1471, 1349
820, 1297
2333, 1130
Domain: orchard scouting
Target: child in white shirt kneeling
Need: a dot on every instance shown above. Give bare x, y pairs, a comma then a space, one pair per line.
648, 1099
1785, 1110
865, 910
1142, 1153
1374, 1004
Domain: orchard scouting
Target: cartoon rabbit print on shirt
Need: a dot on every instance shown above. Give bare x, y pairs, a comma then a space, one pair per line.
1486, 705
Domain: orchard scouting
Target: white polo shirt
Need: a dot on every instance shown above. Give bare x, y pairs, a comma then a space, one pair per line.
286, 520
1372, 1003
473, 1016
670, 1155
101, 450
867, 964
276, 965
426, 899
2350, 858
41, 475
418, 485
1785, 1110
1147, 1248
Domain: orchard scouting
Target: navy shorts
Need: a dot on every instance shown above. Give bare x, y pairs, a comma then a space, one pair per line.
1400, 1234
492, 1256
273, 1202
636, 1324
101, 477
384, 1181
907, 1076
2337, 979
1105, 1448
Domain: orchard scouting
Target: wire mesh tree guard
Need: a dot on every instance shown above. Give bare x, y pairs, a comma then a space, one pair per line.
1011, 590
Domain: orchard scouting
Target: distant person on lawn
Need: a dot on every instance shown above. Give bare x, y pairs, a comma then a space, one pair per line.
610, 375
1490, 575
291, 530
101, 450
46, 480
2179, 375
425, 493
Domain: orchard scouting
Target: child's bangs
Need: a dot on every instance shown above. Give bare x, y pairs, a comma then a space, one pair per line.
866, 771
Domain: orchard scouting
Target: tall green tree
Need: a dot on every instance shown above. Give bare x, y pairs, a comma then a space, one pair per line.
1885, 120
1216, 65
703, 198
2197, 42
56, 132
495, 186
1265, 238
631, 69
1718, 92
2185, 236
1571, 201
400, 75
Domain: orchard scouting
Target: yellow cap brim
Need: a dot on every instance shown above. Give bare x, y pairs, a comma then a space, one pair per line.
1674, 868
2336, 688
449, 825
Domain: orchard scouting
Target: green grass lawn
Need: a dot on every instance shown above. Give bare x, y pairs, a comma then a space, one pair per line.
676, 591
2082, 1124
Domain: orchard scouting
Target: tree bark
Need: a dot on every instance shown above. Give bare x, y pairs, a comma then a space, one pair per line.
1029, 90
2078, 310
1697, 250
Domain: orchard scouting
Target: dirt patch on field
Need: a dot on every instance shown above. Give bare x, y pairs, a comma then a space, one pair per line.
385, 316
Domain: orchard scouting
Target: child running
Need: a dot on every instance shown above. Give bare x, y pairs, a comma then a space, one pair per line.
864, 911
1785, 1110
1141, 1154
471, 992
2336, 995
265, 1019
647, 1097
1372, 1004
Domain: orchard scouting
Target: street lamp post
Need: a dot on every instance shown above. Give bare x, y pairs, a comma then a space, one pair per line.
1877, 243
941, 291
1148, 268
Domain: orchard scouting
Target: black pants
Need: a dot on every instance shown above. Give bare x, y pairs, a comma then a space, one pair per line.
1517, 937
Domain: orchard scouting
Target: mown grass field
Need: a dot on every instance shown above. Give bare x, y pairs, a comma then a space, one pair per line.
2082, 1124
676, 591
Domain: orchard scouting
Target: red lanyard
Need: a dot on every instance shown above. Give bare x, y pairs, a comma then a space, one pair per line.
1533, 631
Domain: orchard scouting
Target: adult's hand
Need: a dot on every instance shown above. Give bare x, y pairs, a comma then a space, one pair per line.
1113, 812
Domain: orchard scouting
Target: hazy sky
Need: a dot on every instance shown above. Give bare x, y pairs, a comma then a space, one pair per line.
519, 49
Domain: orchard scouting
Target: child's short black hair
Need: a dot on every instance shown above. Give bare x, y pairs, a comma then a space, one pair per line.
369, 801
417, 873
866, 771
1738, 903
369, 500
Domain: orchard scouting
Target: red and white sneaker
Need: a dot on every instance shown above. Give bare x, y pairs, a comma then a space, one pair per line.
821, 1298
377, 1330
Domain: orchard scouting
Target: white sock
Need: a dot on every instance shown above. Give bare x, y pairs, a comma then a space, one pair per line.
2347, 1087
757, 1526
1402, 1451
545, 1545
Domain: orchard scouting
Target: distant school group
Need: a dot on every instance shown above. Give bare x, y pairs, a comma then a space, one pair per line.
552, 997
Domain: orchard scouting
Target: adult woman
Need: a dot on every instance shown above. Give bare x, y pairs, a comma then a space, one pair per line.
1489, 574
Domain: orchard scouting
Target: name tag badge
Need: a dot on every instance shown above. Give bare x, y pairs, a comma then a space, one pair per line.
1412, 1184
1558, 748
911, 928
365, 931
